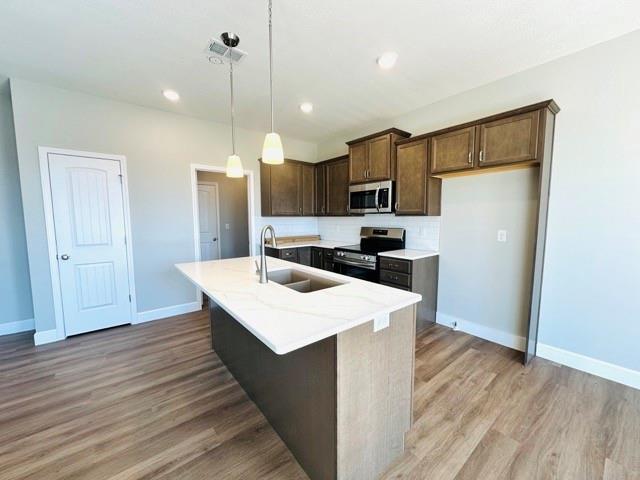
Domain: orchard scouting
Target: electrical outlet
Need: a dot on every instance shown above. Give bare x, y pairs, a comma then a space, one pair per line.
502, 235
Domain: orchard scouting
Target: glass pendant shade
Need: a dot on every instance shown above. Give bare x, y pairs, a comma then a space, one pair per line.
272, 152
234, 167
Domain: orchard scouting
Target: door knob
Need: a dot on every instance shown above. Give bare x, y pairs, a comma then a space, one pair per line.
215, 239
64, 257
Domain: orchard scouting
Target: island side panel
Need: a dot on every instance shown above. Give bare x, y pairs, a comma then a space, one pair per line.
375, 390
296, 392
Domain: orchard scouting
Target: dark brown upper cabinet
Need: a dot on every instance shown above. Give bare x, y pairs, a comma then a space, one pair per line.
373, 158
321, 189
287, 189
358, 164
305, 189
337, 186
453, 151
509, 140
417, 193
308, 189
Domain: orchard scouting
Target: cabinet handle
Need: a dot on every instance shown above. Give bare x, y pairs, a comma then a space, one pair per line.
481, 156
470, 158
396, 205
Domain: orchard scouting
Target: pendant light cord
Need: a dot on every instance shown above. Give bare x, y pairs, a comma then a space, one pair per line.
233, 134
271, 65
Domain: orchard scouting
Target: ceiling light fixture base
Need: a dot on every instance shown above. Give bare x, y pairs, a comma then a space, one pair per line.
230, 39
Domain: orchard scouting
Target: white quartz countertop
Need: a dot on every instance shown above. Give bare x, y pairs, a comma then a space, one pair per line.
313, 243
408, 254
284, 319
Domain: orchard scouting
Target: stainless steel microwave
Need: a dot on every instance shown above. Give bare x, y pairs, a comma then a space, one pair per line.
371, 197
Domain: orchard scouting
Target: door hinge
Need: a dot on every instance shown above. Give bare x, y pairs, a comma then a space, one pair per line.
125, 239
129, 298
120, 175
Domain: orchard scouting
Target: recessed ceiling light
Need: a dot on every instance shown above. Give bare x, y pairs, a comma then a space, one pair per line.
171, 95
387, 60
306, 107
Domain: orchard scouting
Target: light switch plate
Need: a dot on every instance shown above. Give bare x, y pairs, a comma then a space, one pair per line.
502, 235
226, 226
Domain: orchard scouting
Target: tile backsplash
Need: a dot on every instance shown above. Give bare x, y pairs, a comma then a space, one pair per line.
423, 233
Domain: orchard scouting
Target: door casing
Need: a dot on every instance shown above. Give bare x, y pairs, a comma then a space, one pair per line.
44, 153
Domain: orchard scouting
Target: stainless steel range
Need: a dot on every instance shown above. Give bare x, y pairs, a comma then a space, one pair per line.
361, 260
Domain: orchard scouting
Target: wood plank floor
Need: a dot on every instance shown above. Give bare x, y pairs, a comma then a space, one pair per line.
153, 402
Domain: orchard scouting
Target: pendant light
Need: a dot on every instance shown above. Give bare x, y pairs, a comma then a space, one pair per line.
272, 152
234, 164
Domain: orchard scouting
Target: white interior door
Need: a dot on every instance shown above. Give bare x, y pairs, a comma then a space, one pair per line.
208, 219
89, 222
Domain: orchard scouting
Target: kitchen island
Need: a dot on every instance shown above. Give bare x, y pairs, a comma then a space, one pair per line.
328, 359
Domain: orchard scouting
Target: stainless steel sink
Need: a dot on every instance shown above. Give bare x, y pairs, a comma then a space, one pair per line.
302, 281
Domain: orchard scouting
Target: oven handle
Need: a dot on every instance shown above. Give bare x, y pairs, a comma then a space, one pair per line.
354, 264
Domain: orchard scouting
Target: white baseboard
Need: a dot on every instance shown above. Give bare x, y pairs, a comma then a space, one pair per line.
17, 327
616, 373
591, 365
46, 336
477, 330
159, 313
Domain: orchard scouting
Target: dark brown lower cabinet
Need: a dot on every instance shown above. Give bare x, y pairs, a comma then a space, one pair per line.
289, 254
317, 257
418, 276
304, 256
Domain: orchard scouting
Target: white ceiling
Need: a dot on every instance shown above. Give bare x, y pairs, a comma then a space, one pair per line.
324, 51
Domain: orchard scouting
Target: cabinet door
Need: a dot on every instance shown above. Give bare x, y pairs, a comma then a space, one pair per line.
338, 187
411, 179
453, 151
290, 254
308, 190
358, 162
379, 158
265, 189
316, 257
513, 139
304, 256
320, 190
286, 189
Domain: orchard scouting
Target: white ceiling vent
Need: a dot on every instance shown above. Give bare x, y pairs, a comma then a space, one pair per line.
218, 52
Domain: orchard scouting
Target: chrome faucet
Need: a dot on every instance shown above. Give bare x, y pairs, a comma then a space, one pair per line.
263, 257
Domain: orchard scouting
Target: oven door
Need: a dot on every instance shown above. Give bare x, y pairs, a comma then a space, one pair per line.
363, 198
352, 269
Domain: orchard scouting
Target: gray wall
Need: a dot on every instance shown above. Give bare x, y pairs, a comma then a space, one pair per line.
592, 266
482, 280
15, 290
233, 212
159, 147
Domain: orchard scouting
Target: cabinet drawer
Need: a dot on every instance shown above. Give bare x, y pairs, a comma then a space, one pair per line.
395, 265
290, 254
395, 277
400, 287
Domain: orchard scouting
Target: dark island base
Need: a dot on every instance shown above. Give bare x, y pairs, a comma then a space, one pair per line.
342, 405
